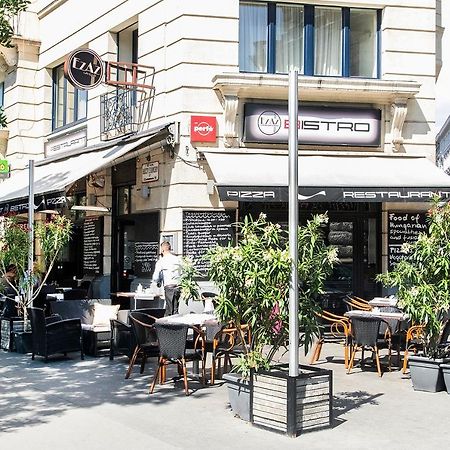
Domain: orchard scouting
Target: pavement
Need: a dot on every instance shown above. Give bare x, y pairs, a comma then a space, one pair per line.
72, 404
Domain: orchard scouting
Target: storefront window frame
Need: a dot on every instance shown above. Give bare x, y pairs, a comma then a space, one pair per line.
308, 33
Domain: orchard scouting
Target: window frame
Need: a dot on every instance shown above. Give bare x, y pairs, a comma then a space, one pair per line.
309, 40
55, 99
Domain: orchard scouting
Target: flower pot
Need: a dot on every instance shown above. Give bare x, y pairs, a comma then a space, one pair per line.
446, 374
239, 394
292, 405
426, 374
23, 342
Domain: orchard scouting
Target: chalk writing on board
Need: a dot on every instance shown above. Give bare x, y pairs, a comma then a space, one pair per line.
145, 256
203, 230
403, 228
93, 245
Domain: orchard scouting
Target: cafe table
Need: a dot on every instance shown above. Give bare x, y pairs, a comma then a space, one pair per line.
380, 302
133, 296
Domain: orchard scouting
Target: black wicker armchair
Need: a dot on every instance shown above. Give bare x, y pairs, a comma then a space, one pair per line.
54, 336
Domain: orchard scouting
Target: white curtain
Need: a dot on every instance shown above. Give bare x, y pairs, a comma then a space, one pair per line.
253, 37
363, 43
289, 38
328, 31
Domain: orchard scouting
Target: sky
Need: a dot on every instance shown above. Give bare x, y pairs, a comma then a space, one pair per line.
443, 82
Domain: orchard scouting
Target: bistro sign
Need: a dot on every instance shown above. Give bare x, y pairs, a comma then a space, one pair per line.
84, 69
267, 123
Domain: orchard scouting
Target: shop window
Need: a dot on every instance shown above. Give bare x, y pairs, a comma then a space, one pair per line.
315, 40
69, 103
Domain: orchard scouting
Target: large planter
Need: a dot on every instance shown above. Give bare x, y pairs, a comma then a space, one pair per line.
7, 329
446, 374
292, 405
23, 342
426, 374
239, 394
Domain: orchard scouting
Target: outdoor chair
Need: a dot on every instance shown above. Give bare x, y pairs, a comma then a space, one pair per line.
365, 332
54, 336
414, 342
172, 346
120, 339
142, 327
340, 329
357, 303
229, 341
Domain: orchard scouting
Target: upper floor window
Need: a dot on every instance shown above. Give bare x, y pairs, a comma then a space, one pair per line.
315, 40
69, 103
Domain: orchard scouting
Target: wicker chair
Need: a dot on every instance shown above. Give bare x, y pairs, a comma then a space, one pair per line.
229, 341
357, 303
365, 331
172, 345
54, 336
142, 327
339, 329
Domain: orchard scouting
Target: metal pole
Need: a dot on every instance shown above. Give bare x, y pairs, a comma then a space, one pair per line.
293, 222
30, 226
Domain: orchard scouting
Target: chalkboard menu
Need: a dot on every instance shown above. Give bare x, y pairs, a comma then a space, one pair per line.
145, 257
93, 245
403, 228
203, 230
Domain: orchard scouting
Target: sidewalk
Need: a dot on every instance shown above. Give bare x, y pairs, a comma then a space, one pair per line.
73, 404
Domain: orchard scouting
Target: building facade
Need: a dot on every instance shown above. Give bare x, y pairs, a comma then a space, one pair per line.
202, 141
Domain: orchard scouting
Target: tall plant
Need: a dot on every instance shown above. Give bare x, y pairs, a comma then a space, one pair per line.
14, 246
423, 277
9, 9
253, 280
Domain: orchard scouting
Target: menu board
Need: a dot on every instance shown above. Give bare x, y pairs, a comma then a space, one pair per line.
403, 228
145, 257
93, 245
203, 230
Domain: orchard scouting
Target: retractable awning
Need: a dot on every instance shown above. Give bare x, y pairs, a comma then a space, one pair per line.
51, 178
264, 177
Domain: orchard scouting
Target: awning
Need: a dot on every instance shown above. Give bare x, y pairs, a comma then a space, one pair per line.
52, 178
264, 177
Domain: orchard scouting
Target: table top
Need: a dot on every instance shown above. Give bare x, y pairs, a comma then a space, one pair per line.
376, 314
189, 319
383, 301
141, 295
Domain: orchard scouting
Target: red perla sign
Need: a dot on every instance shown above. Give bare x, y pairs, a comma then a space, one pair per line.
203, 129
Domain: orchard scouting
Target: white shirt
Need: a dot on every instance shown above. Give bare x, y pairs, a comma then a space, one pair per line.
170, 264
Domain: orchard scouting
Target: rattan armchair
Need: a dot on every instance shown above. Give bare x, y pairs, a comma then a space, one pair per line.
365, 335
340, 329
54, 336
357, 303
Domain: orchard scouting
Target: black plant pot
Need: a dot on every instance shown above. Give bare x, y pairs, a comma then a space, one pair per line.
426, 374
23, 342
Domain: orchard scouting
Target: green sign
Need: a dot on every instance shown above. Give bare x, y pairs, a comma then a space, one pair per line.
4, 168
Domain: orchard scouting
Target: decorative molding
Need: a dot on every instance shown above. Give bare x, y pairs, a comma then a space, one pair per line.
10, 55
399, 110
230, 105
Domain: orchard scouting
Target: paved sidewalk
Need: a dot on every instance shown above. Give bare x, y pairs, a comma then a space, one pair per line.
72, 404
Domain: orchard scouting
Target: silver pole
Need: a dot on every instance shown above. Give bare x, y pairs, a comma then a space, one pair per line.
30, 225
293, 222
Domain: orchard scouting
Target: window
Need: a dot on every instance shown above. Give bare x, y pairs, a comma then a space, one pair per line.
69, 103
315, 40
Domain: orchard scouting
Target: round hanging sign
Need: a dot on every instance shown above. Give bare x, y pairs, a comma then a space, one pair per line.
84, 69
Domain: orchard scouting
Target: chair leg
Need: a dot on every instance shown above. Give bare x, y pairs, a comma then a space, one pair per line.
317, 350
346, 349
162, 376
32, 356
144, 359
186, 389
152, 386
350, 364
377, 356
132, 361
213, 369
405, 361
390, 359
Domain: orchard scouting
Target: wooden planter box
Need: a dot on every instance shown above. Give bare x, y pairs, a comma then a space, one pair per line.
292, 405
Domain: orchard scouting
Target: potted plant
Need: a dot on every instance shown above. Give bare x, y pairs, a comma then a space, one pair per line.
253, 281
52, 236
422, 280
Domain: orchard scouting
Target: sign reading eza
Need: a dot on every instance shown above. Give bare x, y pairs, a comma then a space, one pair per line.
84, 69
203, 129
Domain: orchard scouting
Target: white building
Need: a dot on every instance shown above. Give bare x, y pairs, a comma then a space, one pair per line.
217, 128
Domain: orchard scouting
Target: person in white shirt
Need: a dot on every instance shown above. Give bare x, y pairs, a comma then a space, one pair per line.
169, 266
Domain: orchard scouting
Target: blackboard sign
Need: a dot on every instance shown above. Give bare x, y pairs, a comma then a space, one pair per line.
93, 245
203, 230
145, 257
403, 227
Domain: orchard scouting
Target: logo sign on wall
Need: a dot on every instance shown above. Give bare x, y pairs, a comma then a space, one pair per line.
150, 172
84, 69
265, 123
4, 168
203, 129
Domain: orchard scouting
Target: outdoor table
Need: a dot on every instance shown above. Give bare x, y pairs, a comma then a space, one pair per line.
379, 302
136, 295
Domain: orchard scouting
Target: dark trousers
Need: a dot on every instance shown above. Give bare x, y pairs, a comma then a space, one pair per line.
172, 296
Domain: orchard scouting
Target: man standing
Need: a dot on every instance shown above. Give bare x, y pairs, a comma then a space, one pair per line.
168, 271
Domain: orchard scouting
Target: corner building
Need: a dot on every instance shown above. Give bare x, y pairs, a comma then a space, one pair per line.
205, 142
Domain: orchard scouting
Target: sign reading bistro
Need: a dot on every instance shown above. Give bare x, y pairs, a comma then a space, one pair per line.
268, 123
84, 69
